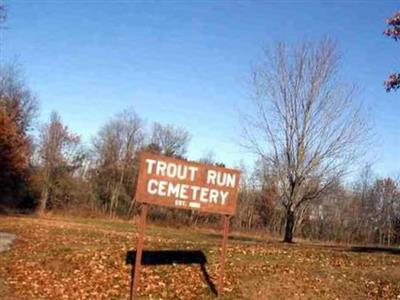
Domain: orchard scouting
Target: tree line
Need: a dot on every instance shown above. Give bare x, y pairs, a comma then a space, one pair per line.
305, 125
54, 170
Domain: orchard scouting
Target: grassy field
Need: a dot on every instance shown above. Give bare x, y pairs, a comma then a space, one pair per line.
72, 258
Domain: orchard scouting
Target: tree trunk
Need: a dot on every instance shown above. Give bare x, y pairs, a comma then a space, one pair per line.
44, 195
43, 200
289, 226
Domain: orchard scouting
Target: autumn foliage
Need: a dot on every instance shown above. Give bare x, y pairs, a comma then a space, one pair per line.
393, 82
17, 107
394, 29
14, 148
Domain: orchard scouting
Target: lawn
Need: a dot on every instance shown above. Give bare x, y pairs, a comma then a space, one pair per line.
71, 258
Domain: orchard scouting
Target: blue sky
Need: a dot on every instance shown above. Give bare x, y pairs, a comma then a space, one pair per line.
186, 62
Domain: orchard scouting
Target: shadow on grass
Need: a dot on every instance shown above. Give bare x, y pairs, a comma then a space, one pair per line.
359, 249
172, 257
394, 251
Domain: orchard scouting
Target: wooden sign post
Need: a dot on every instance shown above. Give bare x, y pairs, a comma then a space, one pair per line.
181, 184
139, 250
223, 253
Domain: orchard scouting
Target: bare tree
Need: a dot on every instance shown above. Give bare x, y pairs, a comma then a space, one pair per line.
208, 158
169, 140
386, 197
3, 17
306, 125
116, 147
58, 155
16, 98
3, 14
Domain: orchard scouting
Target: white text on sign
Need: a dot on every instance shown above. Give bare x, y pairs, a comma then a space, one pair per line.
191, 192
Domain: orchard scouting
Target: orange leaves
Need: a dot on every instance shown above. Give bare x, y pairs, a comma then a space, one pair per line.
14, 147
54, 259
60, 260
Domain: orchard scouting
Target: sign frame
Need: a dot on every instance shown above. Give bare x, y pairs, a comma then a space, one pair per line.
203, 187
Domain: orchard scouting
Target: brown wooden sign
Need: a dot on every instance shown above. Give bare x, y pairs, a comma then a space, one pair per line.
181, 184
187, 185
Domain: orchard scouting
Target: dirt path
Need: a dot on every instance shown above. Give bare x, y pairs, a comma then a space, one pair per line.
6, 240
